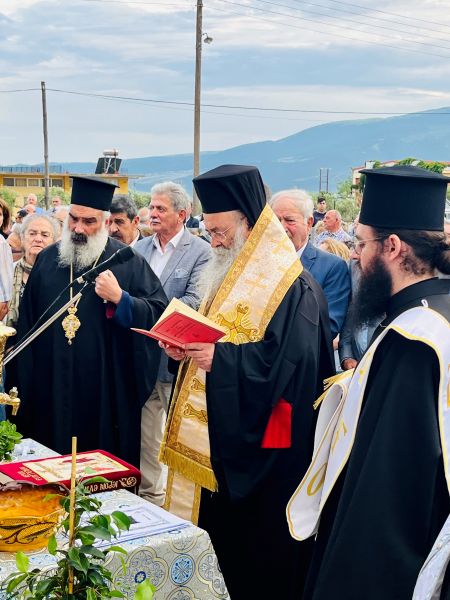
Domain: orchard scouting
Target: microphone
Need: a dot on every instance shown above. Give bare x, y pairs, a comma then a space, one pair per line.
120, 256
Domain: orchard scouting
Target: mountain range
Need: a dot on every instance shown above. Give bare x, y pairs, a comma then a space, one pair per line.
296, 160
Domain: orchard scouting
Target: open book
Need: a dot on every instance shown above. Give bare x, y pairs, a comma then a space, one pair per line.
180, 324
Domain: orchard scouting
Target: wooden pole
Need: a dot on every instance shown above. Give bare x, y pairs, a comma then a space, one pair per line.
44, 120
197, 95
73, 477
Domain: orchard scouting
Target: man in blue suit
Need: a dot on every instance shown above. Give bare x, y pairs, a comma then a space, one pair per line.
295, 209
177, 257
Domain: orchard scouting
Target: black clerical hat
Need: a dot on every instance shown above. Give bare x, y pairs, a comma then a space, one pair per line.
404, 197
232, 187
92, 191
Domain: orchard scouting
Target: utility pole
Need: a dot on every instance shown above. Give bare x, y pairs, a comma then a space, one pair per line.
197, 93
323, 179
44, 119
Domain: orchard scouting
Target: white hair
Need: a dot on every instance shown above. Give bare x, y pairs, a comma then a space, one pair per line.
213, 274
301, 199
33, 217
179, 198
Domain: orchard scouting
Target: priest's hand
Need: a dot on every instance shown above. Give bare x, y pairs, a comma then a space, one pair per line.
172, 352
349, 363
108, 288
201, 354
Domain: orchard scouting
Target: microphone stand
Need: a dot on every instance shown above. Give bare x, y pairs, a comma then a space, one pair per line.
33, 333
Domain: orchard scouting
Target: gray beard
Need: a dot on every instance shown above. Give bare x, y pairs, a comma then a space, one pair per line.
81, 255
212, 276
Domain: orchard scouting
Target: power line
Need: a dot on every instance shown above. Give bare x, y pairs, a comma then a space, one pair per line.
302, 10
139, 2
330, 33
384, 12
368, 16
240, 107
23, 90
248, 6
188, 106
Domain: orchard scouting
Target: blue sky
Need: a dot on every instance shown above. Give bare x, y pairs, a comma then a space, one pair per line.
322, 55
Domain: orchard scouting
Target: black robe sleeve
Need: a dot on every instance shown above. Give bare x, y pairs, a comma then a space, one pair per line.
247, 380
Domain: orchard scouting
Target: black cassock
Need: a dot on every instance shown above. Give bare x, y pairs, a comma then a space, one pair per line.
246, 519
95, 388
390, 502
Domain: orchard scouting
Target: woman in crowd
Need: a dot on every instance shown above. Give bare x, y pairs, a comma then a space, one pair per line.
38, 231
5, 218
336, 247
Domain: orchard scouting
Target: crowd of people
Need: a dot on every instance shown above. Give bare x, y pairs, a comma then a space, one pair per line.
337, 495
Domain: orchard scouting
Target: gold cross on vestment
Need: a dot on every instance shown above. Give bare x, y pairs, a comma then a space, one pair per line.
283, 244
240, 327
256, 284
192, 413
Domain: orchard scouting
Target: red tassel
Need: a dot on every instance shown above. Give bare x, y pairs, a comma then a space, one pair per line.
278, 430
110, 310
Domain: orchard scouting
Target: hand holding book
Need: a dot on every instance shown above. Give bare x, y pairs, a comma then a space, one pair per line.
180, 325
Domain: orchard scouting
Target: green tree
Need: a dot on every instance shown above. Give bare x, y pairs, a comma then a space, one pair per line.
141, 198
53, 191
344, 188
9, 196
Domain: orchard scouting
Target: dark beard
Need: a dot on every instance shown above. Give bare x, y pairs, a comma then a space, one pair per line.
371, 299
78, 238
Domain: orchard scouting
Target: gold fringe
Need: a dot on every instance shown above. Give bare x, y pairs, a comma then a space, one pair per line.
203, 476
327, 383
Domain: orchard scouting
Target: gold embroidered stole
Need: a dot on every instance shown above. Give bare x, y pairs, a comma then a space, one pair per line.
338, 419
246, 301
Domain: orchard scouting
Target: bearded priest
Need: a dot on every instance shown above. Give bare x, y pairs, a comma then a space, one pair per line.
88, 375
240, 429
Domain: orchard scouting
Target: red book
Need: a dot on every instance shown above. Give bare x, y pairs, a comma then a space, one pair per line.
57, 469
180, 324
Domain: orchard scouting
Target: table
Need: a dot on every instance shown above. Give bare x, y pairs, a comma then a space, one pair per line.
181, 563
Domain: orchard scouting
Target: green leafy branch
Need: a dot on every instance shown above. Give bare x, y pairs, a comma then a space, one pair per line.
9, 437
80, 562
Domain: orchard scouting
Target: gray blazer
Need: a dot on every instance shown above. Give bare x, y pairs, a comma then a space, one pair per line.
180, 276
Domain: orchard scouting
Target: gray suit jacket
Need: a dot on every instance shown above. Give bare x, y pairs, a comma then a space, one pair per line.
180, 276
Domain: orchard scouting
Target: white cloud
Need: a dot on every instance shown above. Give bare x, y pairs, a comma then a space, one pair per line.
256, 59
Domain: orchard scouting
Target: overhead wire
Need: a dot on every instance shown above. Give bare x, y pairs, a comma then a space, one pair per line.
291, 26
391, 14
251, 7
346, 19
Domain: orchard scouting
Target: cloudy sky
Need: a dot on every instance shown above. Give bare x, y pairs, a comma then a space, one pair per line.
121, 73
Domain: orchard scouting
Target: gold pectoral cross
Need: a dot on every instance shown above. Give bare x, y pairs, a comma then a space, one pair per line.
71, 324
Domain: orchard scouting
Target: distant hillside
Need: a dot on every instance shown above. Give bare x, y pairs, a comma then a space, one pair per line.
295, 161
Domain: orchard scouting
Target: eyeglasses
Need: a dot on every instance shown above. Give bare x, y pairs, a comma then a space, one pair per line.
359, 244
219, 235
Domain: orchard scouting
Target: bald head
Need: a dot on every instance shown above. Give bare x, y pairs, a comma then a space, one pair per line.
332, 221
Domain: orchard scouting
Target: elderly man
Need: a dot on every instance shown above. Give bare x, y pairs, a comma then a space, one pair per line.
56, 202
88, 374
333, 228
294, 208
32, 200
123, 222
144, 221
177, 257
378, 478
241, 423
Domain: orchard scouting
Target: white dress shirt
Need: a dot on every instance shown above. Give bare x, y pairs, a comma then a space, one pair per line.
161, 257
